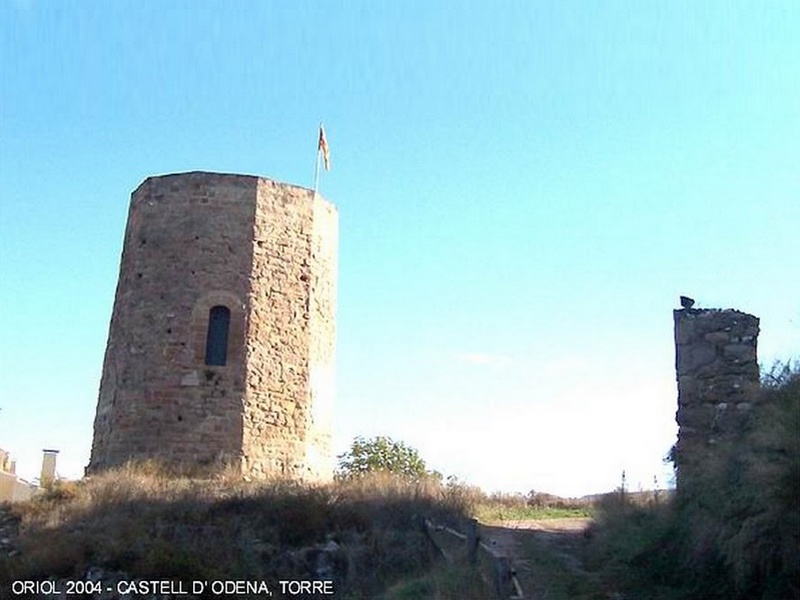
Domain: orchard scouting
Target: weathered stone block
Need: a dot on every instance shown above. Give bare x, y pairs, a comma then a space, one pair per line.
191, 379
740, 352
693, 357
717, 337
698, 417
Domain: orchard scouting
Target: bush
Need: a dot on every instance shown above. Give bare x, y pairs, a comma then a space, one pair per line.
381, 455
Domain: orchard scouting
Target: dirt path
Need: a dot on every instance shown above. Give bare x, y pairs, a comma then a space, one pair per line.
546, 555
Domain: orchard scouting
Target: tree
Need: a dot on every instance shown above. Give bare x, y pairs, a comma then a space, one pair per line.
380, 454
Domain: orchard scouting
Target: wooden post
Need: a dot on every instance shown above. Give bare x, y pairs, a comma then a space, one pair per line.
421, 524
472, 541
502, 577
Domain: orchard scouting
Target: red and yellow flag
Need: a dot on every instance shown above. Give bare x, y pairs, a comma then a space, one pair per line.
323, 147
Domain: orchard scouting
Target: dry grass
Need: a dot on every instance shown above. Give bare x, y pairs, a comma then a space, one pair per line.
499, 508
150, 525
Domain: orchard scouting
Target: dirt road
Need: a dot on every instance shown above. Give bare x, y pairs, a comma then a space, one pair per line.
547, 557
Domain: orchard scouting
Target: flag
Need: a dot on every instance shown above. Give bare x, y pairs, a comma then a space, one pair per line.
323, 147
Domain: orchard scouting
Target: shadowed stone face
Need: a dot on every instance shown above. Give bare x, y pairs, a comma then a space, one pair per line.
717, 369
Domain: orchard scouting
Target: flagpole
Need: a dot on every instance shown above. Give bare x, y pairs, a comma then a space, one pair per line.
316, 174
322, 152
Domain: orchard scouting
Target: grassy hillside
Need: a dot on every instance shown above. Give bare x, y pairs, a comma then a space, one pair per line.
361, 534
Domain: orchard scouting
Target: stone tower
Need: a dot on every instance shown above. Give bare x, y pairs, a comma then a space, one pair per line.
717, 370
221, 343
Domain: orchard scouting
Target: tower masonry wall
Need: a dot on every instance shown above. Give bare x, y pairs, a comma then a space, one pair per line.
293, 301
717, 371
193, 242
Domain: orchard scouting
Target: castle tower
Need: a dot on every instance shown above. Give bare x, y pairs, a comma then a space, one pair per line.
221, 343
716, 366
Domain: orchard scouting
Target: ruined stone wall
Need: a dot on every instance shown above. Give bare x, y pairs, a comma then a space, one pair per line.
195, 241
717, 372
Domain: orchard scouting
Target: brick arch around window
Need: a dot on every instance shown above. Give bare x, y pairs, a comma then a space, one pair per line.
217, 315
219, 322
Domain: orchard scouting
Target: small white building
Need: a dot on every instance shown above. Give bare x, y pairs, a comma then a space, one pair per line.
15, 489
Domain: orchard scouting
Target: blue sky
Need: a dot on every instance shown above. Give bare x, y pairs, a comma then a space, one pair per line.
524, 190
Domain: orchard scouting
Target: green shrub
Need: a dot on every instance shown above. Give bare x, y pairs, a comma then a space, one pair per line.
381, 455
